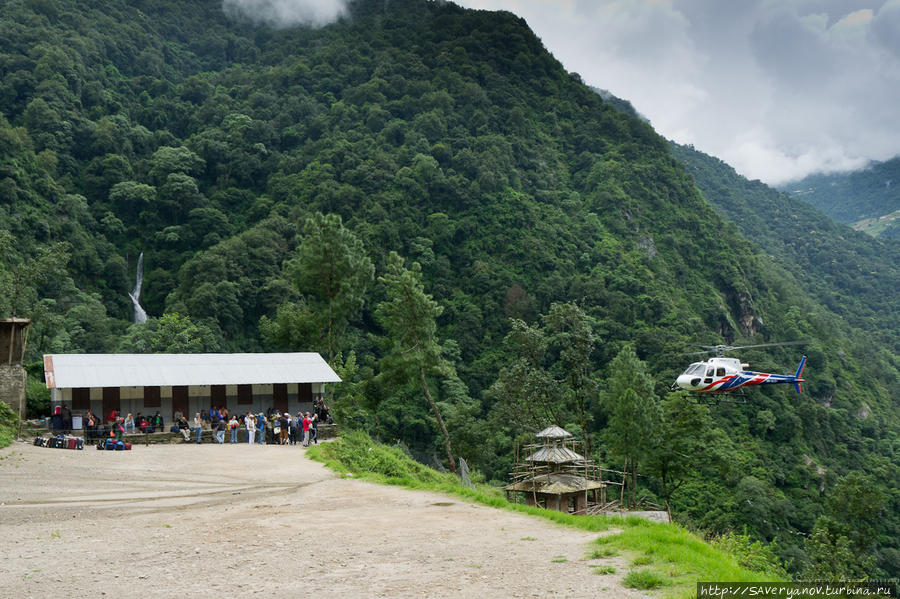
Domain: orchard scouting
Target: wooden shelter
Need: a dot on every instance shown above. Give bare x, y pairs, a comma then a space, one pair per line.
13, 339
555, 476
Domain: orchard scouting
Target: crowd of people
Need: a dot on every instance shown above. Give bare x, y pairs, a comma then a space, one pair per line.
115, 424
262, 428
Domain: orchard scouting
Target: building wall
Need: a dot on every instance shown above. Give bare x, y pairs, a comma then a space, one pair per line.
131, 400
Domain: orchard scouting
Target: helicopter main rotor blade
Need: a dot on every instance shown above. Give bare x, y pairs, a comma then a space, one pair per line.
767, 345
721, 349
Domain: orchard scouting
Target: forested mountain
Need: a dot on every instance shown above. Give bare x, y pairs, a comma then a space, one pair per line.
868, 198
305, 188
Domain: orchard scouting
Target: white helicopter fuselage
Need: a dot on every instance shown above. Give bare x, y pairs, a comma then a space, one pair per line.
726, 375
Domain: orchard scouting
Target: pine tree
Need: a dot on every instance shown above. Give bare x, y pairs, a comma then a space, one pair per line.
408, 315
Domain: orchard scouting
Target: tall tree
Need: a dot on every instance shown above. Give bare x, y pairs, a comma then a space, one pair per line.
843, 540
526, 392
408, 315
686, 434
170, 334
572, 332
634, 414
333, 272
20, 275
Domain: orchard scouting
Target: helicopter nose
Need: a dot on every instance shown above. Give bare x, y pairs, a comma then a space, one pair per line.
686, 381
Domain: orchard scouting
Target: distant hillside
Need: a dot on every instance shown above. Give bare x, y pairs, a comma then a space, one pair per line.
868, 199
851, 273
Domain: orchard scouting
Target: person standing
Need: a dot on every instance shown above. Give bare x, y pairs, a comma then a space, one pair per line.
307, 421
220, 431
233, 425
314, 427
66, 418
283, 424
129, 423
198, 426
250, 423
292, 429
261, 428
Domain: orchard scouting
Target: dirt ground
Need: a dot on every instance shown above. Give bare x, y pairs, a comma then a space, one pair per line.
237, 520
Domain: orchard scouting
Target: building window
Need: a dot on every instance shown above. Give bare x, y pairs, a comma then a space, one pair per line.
152, 397
245, 394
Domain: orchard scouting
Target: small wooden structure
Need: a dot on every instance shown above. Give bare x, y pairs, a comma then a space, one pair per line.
555, 476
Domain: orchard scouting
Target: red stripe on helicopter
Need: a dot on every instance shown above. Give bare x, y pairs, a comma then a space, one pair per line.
760, 378
727, 379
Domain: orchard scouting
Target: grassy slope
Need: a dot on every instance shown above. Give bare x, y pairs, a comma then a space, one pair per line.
7, 425
663, 556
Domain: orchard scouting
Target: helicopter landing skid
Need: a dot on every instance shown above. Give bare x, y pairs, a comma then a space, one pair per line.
714, 399
734, 398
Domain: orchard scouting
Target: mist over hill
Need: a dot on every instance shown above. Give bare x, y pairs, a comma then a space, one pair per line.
210, 141
868, 199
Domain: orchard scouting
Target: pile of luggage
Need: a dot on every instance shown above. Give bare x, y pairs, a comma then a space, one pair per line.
60, 442
111, 444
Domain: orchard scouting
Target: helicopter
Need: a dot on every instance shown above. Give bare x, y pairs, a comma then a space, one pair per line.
721, 374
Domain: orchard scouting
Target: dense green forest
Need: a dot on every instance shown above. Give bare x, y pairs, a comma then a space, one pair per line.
481, 245
868, 196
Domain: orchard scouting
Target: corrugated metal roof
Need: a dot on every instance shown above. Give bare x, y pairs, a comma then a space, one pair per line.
146, 370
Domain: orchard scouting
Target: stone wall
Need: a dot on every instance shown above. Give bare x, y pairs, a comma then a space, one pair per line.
12, 387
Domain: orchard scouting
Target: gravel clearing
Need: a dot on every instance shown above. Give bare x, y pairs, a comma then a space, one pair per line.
237, 520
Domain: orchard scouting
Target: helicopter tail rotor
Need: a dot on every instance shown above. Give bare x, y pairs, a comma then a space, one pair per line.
798, 374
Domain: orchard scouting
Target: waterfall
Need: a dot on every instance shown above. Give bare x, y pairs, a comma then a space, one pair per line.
139, 314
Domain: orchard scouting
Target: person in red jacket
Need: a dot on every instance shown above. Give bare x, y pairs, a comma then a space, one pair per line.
307, 421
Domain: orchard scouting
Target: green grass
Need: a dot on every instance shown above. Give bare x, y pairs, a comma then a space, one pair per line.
8, 425
676, 558
643, 579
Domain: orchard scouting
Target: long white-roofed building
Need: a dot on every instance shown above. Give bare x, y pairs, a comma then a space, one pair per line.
186, 383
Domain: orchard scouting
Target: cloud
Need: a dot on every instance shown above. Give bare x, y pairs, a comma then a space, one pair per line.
778, 89
287, 13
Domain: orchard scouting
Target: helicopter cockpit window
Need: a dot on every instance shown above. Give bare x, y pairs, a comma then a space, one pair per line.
720, 371
696, 368
710, 371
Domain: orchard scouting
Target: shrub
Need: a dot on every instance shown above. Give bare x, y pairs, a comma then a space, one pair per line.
9, 421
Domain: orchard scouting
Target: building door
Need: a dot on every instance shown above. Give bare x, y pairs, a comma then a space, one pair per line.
280, 397
111, 401
180, 400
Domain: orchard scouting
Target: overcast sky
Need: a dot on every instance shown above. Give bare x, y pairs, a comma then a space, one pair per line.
776, 88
